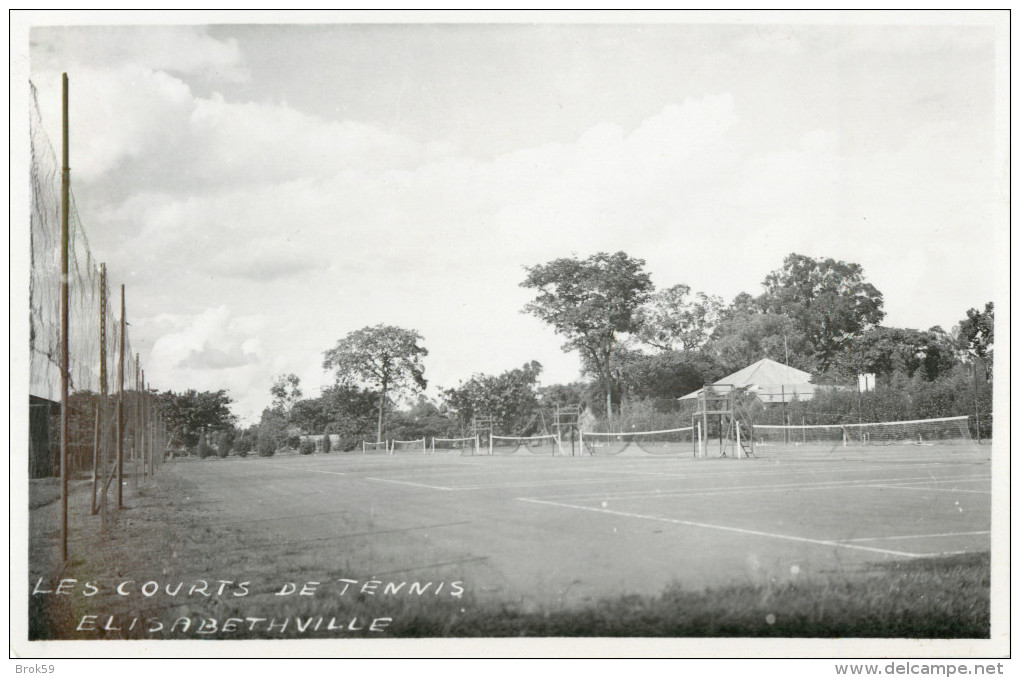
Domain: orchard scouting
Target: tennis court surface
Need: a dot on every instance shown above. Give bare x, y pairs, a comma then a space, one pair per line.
535, 529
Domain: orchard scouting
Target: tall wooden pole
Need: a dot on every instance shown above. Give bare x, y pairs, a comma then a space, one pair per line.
95, 458
141, 428
65, 194
99, 441
120, 407
137, 423
151, 414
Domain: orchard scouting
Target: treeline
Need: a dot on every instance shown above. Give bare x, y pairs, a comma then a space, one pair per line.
641, 349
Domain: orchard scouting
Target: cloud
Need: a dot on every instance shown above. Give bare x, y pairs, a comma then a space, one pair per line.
174, 49
269, 232
211, 340
213, 358
438, 243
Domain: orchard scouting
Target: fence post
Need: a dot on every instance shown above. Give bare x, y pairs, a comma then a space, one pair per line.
102, 390
120, 407
65, 191
141, 427
95, 457
136, 441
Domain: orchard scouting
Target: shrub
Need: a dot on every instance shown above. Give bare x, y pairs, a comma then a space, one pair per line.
307, 446
243, 445
266, 444
203, 449
224, 443
294, 441
349, 443
326, 443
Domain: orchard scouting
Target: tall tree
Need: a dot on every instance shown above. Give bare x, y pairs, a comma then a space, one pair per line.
976, 332
829, 301
191, 413
510, 398
384, 357
748, 336
674, 319
591, 302
286, 390
349, 409
885, 350
309, 414
668, 374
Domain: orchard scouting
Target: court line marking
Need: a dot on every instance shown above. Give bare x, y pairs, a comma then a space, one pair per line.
643, 477
407, 482
727, 528
637, 478
930, 489
919, 536
829, 484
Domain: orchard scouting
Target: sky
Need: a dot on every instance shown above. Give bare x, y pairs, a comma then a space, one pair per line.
262, 190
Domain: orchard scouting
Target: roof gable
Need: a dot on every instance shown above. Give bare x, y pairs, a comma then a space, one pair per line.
772, 381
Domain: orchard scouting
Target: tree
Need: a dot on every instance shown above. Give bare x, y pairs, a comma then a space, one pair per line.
349, 409
742, 304
885, 350
976, 332
673, 319
286, 390
192, 413
591, 303
245, 441
384, 357
747, 337
669, 374
829, 301
309, 415
564, 395
203, 449
272, 432
511, 398
224, 442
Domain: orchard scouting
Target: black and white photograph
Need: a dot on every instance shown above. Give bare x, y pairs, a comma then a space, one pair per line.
491, 334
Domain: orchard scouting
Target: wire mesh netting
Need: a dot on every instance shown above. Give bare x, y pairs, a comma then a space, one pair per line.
542, 445
670, 442
941, 433
408, 446
462, 446
100, 359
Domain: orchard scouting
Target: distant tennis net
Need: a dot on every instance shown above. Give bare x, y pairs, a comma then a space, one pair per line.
463, 446
524, 445
944, 433
668, 442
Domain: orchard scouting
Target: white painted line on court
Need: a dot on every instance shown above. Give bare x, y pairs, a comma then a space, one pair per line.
930, 489
645, 493
725, 528
821, 485
544, 483
919, 536
644, 477
407, 482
